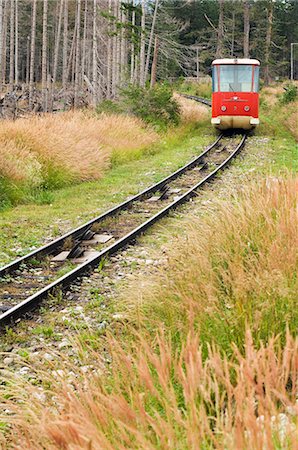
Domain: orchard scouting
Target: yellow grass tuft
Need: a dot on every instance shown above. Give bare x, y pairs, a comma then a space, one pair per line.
191, 111
76, 144
162, 399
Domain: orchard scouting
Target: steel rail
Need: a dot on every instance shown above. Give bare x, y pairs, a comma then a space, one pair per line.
77, 232
203, 100
32, 301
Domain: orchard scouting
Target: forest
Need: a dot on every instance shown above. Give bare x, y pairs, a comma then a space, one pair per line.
58, 54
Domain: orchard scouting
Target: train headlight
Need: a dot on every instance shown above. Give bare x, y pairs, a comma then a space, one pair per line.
223, 108
246, 108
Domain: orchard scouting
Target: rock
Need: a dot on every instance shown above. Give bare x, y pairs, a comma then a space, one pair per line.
149, 262
58, 373
64, 344
48, 357
8, 360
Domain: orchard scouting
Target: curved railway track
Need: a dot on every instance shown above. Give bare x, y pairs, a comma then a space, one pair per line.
27, 281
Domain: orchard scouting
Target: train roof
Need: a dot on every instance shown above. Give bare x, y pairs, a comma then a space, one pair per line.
246, 61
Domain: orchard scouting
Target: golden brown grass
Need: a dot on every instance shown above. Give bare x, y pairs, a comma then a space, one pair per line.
72, 146
191, 111
238, 266
209, 359
162, 399
271, 94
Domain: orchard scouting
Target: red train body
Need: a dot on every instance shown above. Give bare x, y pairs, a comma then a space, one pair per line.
235, 93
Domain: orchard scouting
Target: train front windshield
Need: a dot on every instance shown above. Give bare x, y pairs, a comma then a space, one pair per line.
235, 78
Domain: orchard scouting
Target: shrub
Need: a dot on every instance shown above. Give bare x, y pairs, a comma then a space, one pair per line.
155, 106
290, 94
109, 107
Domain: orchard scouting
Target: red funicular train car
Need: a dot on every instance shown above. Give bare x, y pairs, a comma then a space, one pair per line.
235, 98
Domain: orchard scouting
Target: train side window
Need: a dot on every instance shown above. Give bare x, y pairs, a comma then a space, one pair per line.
256, 79
215, 79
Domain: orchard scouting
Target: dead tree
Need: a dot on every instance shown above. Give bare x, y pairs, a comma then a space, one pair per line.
132, 48
246, 29
77, 59
220, 31
268, 43
44, 54
84, 40
57, 42
16, 58
142, 49
109, 53
11, 46
154, 63
65, 44
94, 55
150, 40
4, 41
1, 39
32, 58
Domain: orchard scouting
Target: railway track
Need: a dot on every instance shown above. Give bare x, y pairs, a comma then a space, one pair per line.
203, 100
27, 281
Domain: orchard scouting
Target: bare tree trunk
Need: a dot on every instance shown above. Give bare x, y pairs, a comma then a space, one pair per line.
71, 57
65, 45
246, 29
4, 41
32, 58
114, 53
28, 61
154, 63
44, 54
57, 42
16, 42
220, 30
268, 43
109, 55
142, 49
84, 40
11, 51
121, 48
151, 40
94, 55
118, 45
77, 61
233, 33
132, 50
1, 40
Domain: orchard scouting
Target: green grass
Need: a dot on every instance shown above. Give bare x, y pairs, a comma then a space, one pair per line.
283, 143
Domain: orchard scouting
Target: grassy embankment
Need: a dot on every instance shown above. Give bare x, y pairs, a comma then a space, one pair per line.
205, 357
95, 161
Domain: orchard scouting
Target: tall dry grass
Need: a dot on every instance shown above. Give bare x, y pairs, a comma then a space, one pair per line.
209, 358
54, 150
238, 266
191, 111
159, 399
